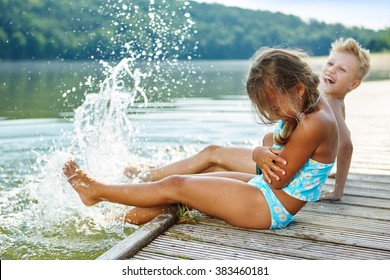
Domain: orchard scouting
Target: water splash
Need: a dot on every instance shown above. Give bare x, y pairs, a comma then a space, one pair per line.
103, 129
156, 34
53, 223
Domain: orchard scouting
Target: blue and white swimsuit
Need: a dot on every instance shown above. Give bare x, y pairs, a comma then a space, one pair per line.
304, 186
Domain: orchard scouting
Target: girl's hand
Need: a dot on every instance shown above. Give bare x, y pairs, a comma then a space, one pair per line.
265, 158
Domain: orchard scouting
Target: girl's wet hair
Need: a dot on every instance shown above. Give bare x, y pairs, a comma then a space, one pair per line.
276, 72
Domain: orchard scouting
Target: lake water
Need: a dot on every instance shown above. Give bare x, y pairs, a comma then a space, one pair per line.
188, 108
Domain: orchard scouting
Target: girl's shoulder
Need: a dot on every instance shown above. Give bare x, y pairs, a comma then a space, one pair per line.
321, 122
323, 115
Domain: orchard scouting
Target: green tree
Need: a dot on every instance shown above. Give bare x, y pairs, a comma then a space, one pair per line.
84, 29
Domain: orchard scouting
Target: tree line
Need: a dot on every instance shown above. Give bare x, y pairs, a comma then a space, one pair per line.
85, 29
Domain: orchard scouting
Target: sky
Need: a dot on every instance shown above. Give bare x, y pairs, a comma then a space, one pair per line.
371, 14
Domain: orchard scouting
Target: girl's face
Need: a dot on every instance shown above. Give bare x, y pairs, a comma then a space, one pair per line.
282, 105
339, 73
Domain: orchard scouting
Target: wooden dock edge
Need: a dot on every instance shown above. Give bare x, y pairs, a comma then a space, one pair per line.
140, 238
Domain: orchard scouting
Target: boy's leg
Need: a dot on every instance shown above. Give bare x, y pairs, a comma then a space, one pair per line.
141, 215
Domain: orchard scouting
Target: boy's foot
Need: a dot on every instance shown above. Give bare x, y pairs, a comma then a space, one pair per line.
83, 185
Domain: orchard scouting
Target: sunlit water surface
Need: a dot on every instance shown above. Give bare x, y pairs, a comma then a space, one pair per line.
43, 218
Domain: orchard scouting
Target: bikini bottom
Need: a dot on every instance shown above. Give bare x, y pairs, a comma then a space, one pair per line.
280, 217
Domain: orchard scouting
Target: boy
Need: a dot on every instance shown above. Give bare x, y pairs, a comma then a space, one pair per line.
346, 67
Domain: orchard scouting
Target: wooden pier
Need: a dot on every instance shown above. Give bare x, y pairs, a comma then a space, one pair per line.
356, 227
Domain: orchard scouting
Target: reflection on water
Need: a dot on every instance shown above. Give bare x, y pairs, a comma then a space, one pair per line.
53, 89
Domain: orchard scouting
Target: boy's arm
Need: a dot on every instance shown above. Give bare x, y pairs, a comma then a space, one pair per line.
344, 154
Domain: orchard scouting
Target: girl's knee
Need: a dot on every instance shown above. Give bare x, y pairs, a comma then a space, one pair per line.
212, 151
174, 182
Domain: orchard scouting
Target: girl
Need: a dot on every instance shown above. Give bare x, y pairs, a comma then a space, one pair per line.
283, 89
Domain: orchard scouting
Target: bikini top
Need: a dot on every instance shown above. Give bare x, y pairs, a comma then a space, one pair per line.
306, 184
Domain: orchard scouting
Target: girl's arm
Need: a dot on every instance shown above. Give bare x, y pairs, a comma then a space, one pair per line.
265, 158
302, 144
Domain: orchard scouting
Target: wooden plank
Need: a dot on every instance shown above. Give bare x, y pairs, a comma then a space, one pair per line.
375, 193
189, 249
144, 255
347, 232
331, 220
375, 186
354, 223
345, 210
348, 210
337, 235
362, 169
380, 161
369, 164
360, 183
269, 242
363, 201
369, 193
384, 179
140, 238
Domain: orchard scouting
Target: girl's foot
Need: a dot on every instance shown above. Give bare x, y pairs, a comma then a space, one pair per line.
82, 184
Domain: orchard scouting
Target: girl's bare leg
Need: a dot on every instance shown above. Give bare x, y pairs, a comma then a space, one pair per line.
211, 159
140, 215
229, 199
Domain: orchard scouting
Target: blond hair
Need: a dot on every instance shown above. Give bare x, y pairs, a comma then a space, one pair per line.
278, 72
351, 46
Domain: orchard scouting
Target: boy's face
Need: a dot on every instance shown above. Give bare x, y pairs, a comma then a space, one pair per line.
339, 74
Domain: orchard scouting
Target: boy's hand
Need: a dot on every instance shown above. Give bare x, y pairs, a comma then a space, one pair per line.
265, 158
332, 196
